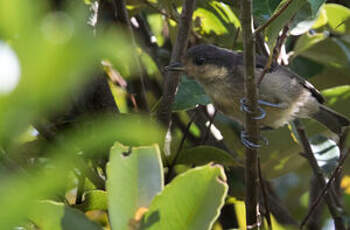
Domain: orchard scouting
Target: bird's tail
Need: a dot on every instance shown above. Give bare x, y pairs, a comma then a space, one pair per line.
331, 119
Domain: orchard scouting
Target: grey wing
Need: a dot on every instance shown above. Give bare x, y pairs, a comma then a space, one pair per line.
261, 62
315, 93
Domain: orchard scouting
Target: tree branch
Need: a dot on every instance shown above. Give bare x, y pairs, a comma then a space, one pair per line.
336, 215
171, 79
251, 169
273, 17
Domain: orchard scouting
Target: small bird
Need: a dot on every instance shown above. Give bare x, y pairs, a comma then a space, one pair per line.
283, 94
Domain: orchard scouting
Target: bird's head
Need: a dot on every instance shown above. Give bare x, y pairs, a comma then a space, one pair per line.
205, 63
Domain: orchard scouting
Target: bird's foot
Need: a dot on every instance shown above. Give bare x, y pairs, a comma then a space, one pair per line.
266, 103
245, 108
249, 144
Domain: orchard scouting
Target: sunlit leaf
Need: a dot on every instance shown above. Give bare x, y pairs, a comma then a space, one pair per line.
135, 176
181, 204
49, 215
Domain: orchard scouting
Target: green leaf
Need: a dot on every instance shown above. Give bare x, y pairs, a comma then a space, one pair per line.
202, 154
263, 9
189, 95
326, 152
338, 18
216, 22
49, 215
276, 26
192, 201
134, 177
94, 200
306, 17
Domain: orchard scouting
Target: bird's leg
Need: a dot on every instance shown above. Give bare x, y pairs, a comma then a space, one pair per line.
249, 144
244, 136
244, 108
266, 103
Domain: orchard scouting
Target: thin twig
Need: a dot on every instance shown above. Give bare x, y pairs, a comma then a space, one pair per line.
275, 54
325, 188
339, 225
174, 161
251, 126
264, 193
123, 17
236, 37
172, 79
273, 17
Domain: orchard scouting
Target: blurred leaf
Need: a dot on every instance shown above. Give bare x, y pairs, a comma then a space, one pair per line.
57, 55
156, 23
181, 204
49, 215
135, 176
202, 154
326, 153
189, 94
94, 200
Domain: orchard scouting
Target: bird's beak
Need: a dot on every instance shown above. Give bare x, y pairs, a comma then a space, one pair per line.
176, 66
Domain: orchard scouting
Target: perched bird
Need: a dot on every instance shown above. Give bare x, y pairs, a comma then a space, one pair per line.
283, 95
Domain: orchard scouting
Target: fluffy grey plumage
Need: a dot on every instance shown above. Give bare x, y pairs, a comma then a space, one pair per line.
220, 72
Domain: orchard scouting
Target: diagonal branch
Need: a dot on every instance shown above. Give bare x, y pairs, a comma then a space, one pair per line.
273, 17
336, 215
251, 94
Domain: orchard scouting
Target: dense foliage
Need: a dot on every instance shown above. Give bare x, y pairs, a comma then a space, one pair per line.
82, 147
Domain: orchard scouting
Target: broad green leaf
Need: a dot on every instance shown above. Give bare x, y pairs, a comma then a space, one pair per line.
276, 26
216, 22
305, 67
189, 95
49, 215
324, 49
202, 154
307, 41
94, 200
263, 9
134, 177
306, 17
326, 153
192, 201
338, 18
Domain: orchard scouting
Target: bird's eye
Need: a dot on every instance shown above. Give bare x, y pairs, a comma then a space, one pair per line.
199, 60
